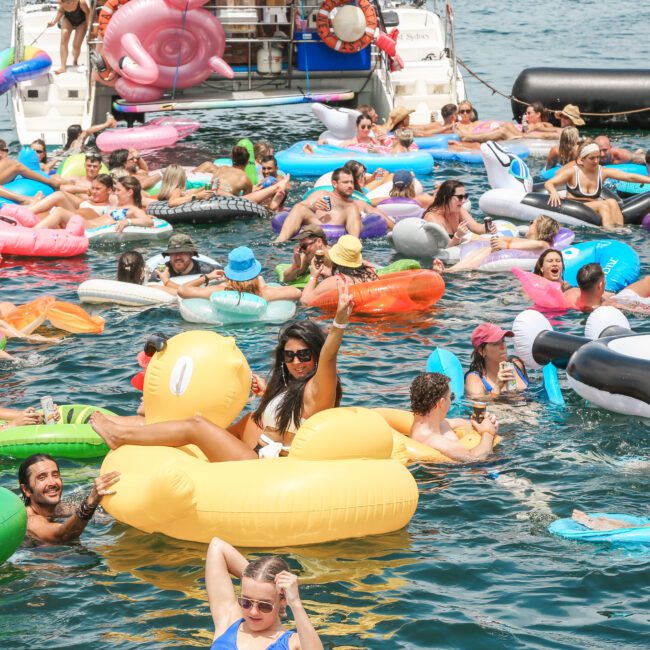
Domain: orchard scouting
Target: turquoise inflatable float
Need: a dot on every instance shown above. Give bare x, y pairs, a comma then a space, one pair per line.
326, 158
26, 186
571, 529
13, 523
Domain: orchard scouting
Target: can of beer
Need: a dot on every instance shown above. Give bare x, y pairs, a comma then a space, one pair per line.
50, 410
487, 222
328, 202
511, 385
479, 410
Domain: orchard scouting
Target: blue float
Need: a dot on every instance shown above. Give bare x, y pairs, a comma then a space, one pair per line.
447, 363
571, 529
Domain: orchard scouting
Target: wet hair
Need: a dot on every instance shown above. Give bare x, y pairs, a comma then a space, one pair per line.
106, 180
245, 286
133, 184
117, 158
361, 273
239, 156
448, 110
130, 266
336, 174
590, 275
569, 140
362, 117
262, 149
540, 262
444, 195
538, 107
405, 136
74, 131
281, 382
269, 158
265, 568
357, 170
546, 228
23, 472
427, 389
174, 178
41, 142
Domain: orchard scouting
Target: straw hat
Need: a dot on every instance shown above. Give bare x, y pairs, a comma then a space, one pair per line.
396, 116
347, 252
572, 112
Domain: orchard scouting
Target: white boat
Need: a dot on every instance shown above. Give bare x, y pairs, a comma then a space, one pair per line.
46, 106
299, 67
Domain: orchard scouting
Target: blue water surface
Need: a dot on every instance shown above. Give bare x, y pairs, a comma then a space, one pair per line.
476, 567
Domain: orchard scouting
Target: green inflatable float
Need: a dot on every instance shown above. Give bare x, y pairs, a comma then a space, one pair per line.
74, 167
13, 523
399, 265
72, 437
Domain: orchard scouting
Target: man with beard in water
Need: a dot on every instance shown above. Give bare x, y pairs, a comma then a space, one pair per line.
41, 486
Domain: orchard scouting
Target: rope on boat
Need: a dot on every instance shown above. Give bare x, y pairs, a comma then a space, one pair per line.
512, 98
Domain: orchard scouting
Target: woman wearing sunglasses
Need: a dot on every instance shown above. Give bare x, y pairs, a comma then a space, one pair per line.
254, 619
39, 148
303, 382
473, 131
364, 141
447, 211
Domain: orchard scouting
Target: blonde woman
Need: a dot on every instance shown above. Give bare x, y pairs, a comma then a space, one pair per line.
172, 188
566, 150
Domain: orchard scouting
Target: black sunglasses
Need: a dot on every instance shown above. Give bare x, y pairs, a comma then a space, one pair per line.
94, 156
262, 605
155, 343
462, 197
5, 150
465, 110
303, 355
38, 150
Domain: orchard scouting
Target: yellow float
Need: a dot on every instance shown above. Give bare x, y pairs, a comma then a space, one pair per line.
339, 480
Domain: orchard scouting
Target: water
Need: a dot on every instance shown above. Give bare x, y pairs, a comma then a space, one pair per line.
476, 567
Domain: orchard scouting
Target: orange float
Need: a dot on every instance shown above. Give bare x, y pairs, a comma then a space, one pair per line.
327, 35
393, 293
106, 13
64, 315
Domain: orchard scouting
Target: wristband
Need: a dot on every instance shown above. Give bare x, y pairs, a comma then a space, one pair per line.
340, 326
206, 282
84, 511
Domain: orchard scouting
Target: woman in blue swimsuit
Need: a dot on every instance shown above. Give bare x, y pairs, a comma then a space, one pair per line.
267, 587
486, 376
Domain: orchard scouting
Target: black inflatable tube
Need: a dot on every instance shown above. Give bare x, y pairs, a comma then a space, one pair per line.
636, 208
216, 210
570, 208
596, 365
556, 347
592, 90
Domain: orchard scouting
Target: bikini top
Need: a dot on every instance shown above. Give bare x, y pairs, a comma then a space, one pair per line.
488, 387
119, 214
576, 191
228, 640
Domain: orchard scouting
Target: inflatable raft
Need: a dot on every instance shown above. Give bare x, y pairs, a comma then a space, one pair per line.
394, 293
107, 234
74, 167
13, 523
98, 291
215, 210
512, 194
35, 63
161, 132
71, 437
638, 533
232, 307
326, 158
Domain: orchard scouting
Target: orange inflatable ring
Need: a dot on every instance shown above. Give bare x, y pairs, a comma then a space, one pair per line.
327, 35
106, 13
393, 293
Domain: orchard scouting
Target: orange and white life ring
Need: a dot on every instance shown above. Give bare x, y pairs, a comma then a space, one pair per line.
106, 13
325, 30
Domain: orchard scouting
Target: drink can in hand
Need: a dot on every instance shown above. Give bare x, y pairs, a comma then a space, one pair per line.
50, 410
511, 385
479, 411
328, 202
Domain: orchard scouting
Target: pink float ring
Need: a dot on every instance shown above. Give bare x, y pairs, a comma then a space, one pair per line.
155, 45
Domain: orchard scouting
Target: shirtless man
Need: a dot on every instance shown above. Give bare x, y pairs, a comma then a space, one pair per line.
311, 238
42, 487
129, 162
449, 114
344, 211
234, 180
614, 156
590, 292
9, 169
431, 399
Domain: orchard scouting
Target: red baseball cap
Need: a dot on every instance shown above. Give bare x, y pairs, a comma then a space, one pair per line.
488, 333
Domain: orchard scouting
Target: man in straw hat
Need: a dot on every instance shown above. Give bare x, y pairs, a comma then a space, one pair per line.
569, 116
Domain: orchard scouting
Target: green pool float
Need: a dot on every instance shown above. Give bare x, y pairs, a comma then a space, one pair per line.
13, 523
399, 265
251, 169
72, 437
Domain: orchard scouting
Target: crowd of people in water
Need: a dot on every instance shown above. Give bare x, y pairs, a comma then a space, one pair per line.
304, 377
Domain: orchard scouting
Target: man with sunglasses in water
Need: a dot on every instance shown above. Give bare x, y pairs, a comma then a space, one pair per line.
311, 238
336, 207
49, 520
431, 399
10, 169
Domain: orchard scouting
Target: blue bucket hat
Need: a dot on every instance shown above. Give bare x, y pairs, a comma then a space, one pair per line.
242, 265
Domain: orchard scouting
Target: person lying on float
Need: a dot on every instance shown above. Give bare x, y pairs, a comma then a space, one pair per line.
431, 398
